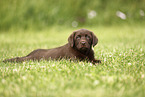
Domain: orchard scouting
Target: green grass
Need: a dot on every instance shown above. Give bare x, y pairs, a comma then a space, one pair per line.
121, 74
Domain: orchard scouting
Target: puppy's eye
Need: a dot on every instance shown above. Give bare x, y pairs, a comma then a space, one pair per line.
78, 37
88, 37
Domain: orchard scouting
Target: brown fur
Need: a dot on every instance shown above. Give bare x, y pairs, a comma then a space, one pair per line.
79, 47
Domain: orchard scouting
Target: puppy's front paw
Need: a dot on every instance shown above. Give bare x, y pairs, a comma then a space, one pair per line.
96, 61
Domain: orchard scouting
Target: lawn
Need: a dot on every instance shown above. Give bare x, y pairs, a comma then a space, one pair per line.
121, 73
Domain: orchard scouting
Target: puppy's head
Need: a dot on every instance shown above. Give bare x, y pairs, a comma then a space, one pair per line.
82, 40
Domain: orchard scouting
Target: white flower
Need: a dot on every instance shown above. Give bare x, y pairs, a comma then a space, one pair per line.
141, 12
96, 82
53, 65
15, 70
121, 15
24, 78
83, 65
91, 64
24, 62
74, 24
92, 14
141, 50
104, 59
142, 76
129, 64
7, 68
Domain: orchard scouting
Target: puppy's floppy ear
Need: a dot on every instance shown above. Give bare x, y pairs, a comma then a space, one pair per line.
94, 40
71, 39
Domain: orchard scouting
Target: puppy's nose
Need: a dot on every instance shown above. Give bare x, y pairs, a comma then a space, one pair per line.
83, 42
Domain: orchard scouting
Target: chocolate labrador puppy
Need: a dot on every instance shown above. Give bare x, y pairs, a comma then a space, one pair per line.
79, 47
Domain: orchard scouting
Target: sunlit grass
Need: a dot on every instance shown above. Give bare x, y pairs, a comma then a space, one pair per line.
121, 74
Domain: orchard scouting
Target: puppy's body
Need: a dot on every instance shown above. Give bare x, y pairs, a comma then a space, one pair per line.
78, 48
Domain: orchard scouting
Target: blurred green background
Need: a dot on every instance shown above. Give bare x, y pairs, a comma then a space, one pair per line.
41, 14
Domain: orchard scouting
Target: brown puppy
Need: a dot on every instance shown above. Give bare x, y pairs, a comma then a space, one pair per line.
79, 47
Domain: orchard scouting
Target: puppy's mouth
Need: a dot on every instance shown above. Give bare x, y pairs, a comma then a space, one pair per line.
83, 48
